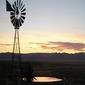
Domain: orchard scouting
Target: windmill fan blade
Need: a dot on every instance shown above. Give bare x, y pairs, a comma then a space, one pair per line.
15, 4
19, 2
13, 20
22, 7
20, 23
12, 13
21, 20
17, 23
12, 17
23, 13
22, 17
14, 23
23, 10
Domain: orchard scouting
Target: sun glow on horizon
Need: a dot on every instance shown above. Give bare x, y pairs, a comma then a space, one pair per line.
69, 43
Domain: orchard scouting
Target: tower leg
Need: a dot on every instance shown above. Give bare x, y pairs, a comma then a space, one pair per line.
16, 60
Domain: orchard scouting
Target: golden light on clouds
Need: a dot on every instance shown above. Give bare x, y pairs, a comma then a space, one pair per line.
49, 42
5, 47
68, 47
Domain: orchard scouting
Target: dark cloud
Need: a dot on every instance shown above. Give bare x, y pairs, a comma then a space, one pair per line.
60, 46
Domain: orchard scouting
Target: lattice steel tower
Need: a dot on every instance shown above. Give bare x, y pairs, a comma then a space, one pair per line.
17, 15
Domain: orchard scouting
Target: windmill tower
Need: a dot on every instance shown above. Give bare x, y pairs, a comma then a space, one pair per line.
17, 15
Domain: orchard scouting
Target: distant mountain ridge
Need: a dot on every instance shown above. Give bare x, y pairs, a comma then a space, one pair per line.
47, 57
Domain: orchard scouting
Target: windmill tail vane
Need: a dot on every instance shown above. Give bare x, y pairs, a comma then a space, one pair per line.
8, 6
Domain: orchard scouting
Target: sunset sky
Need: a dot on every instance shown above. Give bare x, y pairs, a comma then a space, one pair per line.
50, 26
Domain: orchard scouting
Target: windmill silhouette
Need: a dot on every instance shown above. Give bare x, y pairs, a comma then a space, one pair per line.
17, 15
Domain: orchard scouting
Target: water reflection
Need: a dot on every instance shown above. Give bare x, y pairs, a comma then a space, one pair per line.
46, 79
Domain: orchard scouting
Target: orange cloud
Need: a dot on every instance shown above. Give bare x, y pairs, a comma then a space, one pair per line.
48, 47
61, 46
5, 45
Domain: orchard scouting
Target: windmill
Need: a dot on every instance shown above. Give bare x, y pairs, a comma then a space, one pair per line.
17, 15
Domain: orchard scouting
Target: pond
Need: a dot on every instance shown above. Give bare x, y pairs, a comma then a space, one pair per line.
46, 79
